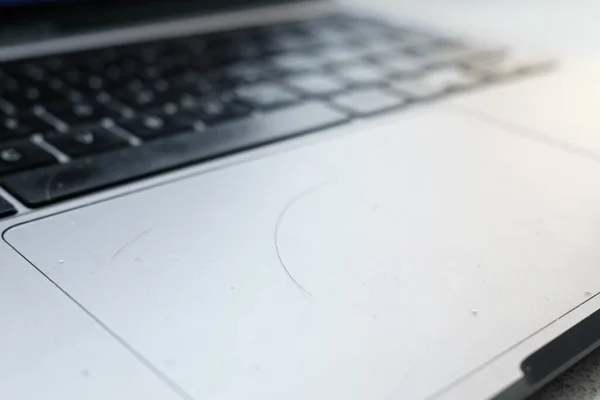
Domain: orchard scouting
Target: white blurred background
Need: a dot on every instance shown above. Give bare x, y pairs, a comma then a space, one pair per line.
560, 27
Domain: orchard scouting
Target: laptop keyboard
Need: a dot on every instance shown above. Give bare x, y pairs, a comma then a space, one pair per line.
75, 123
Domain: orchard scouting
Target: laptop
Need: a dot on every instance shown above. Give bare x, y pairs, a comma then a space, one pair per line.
275, 199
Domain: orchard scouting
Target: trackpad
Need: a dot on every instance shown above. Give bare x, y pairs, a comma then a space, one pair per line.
381, 264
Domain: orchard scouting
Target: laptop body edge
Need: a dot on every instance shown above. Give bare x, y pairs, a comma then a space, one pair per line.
465, 386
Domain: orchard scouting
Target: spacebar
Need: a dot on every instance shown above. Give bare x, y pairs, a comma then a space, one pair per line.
58, 182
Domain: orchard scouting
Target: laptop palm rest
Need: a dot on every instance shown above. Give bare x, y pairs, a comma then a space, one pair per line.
392, 260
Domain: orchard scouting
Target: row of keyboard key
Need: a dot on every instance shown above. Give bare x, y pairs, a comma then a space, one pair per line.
55, 79
119, 114
358, 102
25, 155
216, 109
45, 185
86, 142
14, 126
78, 111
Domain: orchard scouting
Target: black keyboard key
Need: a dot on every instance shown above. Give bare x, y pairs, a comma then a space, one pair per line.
218, 109
412, 40
361, 74
328, 34
138, 99
182, 77
267, 95
291, 63
119, 73
280, 44
22, 155
96, 82
86, 142
248, 72
33, 71
9, 86
441, 49
24, 93
79, 113
363, 102
45, 185
319, 84
288, 38
381, 45
202, 86
151, 73
151, 126
68, 73
435, 82
21, 124
339, 54
28, 96
401, 64
86, 84
246, 48
53, 63
221, 56
150, 53
6, 209
418, 89
219, 81
373, 29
